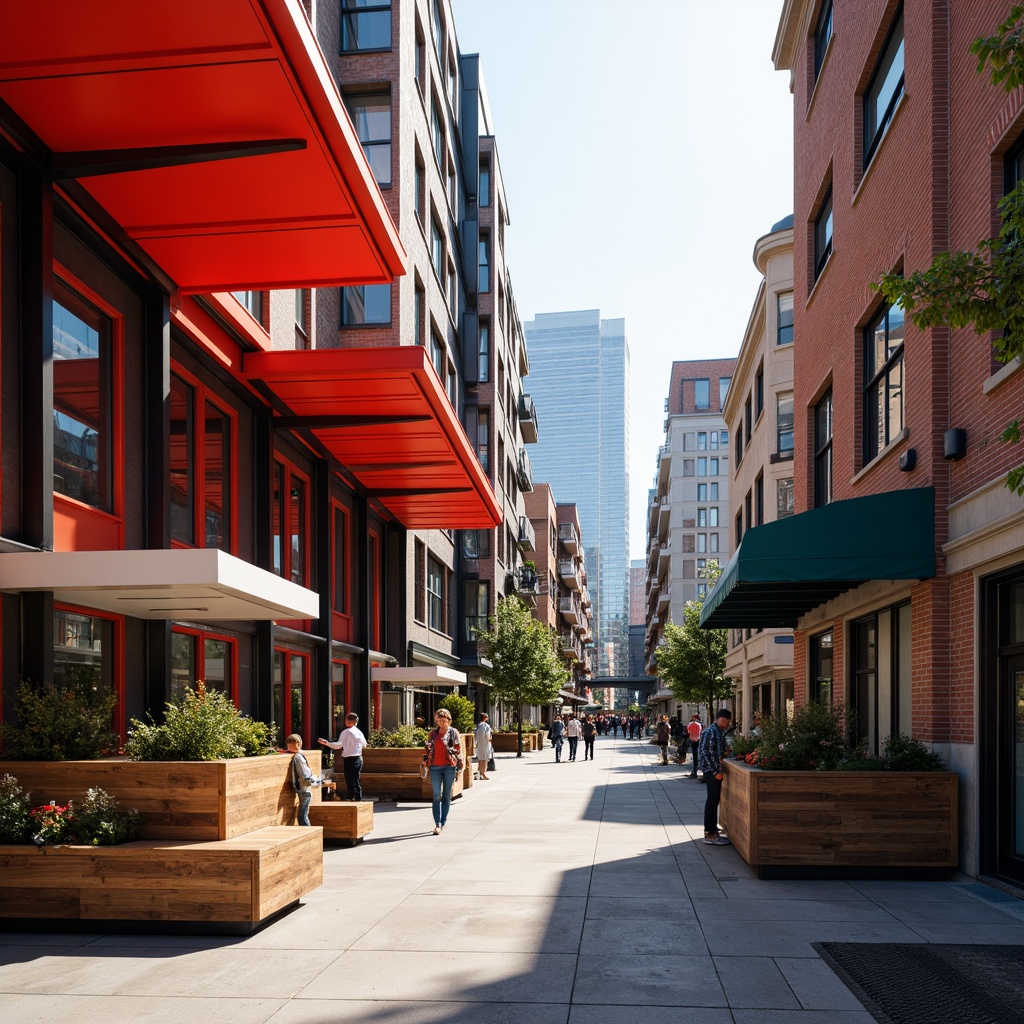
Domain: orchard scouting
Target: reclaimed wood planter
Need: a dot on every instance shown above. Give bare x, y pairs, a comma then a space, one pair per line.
231, 885
394, 772
797, 824
178, 799
507, 743
343, 821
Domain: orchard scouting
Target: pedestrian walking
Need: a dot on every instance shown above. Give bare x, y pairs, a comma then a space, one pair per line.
443, 756
482, 743
693, 731
350, 742
662, 734
573, 732
712, 750
557, 737
589, 732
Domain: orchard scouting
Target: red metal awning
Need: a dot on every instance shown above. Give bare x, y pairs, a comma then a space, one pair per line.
106, 84
383, 413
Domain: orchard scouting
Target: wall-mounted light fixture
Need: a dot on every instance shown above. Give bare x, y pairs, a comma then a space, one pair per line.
908, 460
954, 444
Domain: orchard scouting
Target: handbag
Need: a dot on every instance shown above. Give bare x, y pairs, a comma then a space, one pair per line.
490, 764
424, 770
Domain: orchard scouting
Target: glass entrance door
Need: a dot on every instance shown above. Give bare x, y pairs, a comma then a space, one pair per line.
1015, 721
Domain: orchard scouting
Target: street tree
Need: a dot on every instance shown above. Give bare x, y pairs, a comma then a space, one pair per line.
692, 660
981, 288
525, 664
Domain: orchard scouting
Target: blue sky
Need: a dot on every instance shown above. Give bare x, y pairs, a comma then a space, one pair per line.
645, 146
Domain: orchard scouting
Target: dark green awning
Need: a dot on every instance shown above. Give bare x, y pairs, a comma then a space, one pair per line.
784, 569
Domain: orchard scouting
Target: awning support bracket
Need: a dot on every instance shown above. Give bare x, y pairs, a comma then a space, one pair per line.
89, 163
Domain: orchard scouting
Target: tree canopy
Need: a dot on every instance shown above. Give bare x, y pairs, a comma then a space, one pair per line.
526, 667
984, 287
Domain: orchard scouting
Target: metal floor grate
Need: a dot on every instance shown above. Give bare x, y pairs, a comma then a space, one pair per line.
904, 983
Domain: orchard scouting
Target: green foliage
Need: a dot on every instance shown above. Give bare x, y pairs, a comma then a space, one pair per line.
61, 723
15, 822
742, 744
633, 709
814, 740
691, 660
51, 824
904, 753
463, 711
98, 822
983, 288
200, 725
401, 736
526, 667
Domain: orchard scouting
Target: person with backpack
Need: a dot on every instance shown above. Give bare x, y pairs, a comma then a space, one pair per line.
557, 737
443, 758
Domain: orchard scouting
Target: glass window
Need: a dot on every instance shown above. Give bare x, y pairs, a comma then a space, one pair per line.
253, 302
419, 307
784, 315
702, 441
759, 392
483, 431
713, 467
712, 517
714, 491
883, 381
201, 469
485, 262
437, 133
365, 25
785, 498
723, 439
371, 115
822, 35
197, 655
688, 467
723, 390
476, 601
290, 526
702, 466
702, 518
713, 442
713, 543
437, 24
485, 352
420, 605
435, 594
823, 450
365, 304
82, 403
702, 542
821, 667
759, 500
339, 693
748, 419
484, 195
823, 233
437, 356
884, 89
339, 561
701, 394
420, 184
436, 247
421, 57
83, 650
784, 422
702, 492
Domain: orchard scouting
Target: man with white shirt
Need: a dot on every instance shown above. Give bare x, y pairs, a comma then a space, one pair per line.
350, 743
573, 731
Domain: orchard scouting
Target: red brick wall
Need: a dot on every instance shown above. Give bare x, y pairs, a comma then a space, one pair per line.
962, 653
684, 373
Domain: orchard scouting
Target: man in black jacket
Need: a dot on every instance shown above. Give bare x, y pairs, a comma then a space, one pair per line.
712, 750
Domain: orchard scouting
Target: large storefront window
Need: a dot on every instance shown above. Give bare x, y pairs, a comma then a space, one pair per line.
341, 701
879, 697
198, 655
82, 402
291, 526
202, 439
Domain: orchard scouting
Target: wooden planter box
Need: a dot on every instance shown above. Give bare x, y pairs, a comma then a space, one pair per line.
507, 743
178, 799
841, 823
391, 759
342, 820
231, 885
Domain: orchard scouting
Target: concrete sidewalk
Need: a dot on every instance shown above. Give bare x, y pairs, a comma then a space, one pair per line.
572, 893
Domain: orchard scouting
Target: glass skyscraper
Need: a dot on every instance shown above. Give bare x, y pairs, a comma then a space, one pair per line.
579, 382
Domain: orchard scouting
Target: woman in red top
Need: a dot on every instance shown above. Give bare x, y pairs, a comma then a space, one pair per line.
442, 755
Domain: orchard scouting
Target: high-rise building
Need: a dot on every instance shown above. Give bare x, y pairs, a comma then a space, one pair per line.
579, 379
638, 592
688, 513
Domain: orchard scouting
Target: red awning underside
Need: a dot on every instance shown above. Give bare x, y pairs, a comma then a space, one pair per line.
384, 415
123, 75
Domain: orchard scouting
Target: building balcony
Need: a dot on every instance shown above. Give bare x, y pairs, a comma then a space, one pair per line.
585, 634
524, 472
585, 597
528, 419
569, 610
664, 465
664, 555
664, 598
567, 571
664, 516
527, 535
522, 582
567, 645
569, 538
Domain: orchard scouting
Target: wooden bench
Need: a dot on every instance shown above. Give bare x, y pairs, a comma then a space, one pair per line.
228, 886
343, 821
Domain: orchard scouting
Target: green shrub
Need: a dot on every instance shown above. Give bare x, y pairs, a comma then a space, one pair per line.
905, 754
15, 807
463, 711
815, 739
740, 744
72, 722
98, 822
401, 736
200, 725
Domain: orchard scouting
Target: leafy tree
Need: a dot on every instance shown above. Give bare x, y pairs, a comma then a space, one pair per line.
692, 660
526, 667
983, 288
462, 709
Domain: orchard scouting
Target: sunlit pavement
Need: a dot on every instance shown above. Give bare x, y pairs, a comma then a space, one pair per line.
575, 892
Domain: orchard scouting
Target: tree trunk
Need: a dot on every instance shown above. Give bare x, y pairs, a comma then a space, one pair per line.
519, 737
